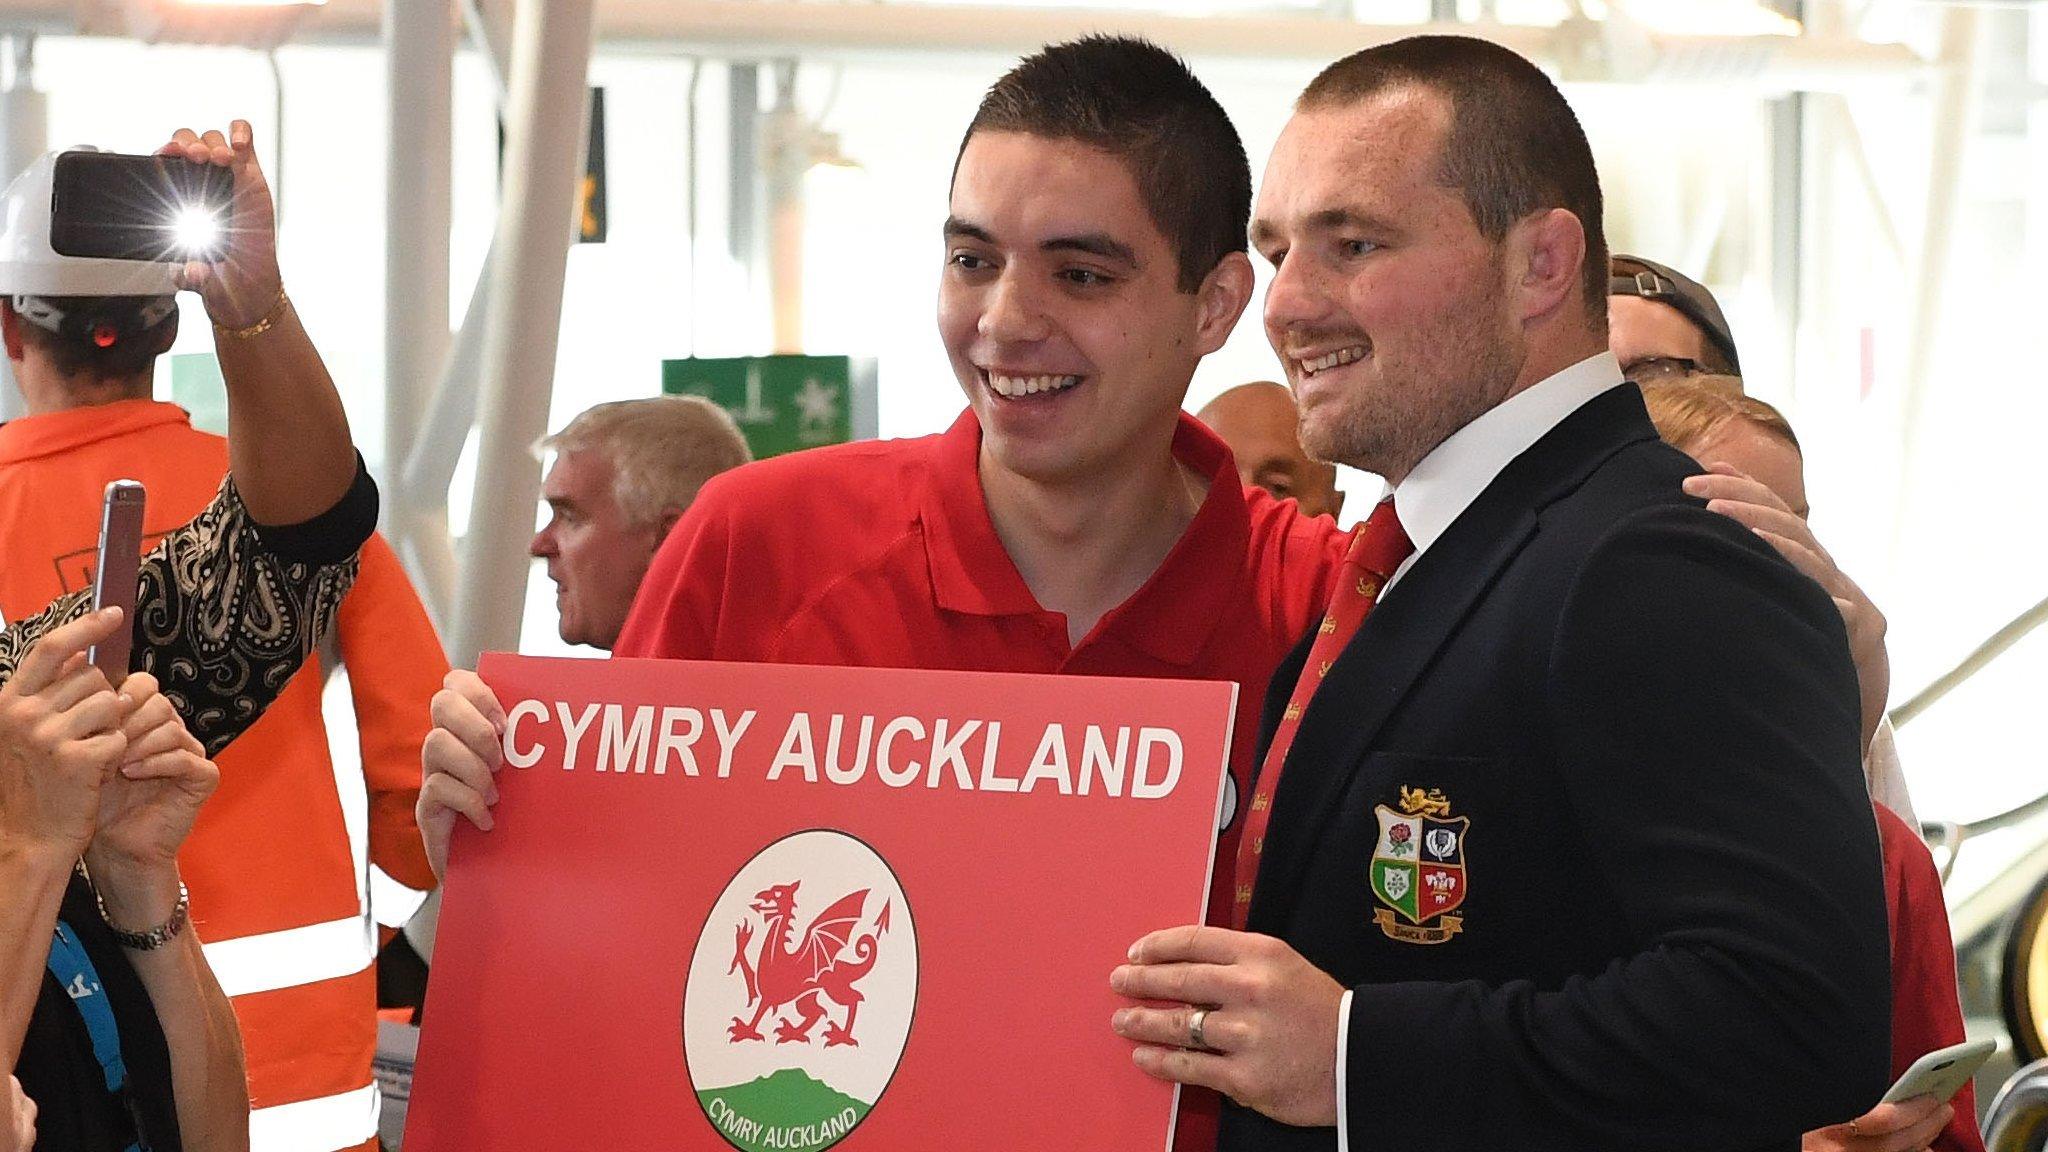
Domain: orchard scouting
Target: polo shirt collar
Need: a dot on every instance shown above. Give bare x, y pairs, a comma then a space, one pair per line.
53, 433
971, 571
1169, 618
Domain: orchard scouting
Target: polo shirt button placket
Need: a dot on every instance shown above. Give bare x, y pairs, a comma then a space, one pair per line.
1055, 629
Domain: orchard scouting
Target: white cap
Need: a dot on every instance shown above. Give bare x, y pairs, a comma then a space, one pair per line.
30, 267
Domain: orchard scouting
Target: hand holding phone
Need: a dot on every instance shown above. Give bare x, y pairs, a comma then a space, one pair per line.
118, 573
1941, 1073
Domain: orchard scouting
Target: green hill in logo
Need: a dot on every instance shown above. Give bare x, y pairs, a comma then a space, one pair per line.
788, 1111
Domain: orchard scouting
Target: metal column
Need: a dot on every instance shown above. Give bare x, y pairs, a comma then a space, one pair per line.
786, 157
419, 52
428, 548
1954, 111
1789, 192
545, 128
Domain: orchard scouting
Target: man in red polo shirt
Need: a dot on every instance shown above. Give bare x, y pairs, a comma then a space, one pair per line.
1073, 520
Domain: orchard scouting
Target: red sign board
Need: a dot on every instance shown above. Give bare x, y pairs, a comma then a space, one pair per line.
792, 908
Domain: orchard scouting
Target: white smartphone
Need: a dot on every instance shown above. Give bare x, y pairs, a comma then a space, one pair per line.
117, 573
1942, 1072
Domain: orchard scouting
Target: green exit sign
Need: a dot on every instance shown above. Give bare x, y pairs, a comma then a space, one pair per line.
784, 403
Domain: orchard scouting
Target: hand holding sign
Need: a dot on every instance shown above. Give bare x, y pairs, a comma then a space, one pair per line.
459, 758
1268, 1031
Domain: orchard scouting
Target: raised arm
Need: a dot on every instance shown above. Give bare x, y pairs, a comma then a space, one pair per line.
234, 601
288, 438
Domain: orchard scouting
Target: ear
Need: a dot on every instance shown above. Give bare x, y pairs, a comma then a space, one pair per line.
10, 330
1222, 298
167, 335
1546, 256
663, 526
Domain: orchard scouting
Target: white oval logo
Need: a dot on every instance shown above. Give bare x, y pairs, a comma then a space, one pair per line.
801, 994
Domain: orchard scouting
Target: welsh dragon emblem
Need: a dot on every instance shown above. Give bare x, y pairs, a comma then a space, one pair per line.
781, 977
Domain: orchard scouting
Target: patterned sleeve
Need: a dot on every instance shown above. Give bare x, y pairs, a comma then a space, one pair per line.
228, 610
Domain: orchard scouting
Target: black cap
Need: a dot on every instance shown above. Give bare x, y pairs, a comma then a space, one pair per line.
1635, 276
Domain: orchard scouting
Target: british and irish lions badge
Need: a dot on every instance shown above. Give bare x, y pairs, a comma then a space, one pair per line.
1418, 868
800, 995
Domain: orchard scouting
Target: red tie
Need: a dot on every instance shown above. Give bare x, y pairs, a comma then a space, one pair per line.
1377, 549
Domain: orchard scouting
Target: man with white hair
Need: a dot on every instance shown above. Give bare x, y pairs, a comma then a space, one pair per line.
623, 474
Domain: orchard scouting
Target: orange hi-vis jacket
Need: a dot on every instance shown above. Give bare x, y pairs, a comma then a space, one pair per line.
280, 894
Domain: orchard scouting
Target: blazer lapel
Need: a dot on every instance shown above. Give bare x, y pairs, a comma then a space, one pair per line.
1404, 633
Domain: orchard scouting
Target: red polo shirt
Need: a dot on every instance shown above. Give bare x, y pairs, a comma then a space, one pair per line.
882, 554
1927, 1011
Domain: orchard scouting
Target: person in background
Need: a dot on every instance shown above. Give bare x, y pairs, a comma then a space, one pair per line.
1661, 323
624, 473
228, 607
1261, 425
1742, 437
1665, 327
272, 873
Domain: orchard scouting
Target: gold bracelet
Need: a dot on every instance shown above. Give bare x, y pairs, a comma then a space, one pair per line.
275, 314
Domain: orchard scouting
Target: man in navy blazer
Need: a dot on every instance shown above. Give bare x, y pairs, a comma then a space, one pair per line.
1571, 848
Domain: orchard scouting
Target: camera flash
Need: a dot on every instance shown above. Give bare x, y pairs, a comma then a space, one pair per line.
195, 229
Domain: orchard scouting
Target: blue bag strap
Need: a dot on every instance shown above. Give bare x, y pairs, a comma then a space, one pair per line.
80, 980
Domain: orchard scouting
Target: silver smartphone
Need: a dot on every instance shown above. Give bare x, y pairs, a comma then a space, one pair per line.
1941, 1073
117, 573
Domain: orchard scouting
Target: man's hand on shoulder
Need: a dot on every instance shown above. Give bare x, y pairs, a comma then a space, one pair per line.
1247, 1016
459, 759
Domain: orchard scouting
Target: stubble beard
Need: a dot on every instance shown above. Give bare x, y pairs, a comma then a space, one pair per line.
1417, 401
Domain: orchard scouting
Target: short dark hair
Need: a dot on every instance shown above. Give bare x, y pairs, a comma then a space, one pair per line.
1514, 146
1140, 103
132, 342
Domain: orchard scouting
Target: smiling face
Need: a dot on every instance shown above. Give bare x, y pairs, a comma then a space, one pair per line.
1388, 307
1061, 312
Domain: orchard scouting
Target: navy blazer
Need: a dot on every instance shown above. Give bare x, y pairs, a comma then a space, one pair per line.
1579, 814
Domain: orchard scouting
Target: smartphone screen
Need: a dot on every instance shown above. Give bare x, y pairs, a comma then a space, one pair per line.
158, 208
117, 574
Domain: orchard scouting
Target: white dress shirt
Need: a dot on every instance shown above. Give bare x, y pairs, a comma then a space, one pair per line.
1446, 483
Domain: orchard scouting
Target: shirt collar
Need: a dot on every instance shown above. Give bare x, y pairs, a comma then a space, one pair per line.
1170, 617
971, 571
51, 433
1453, 475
